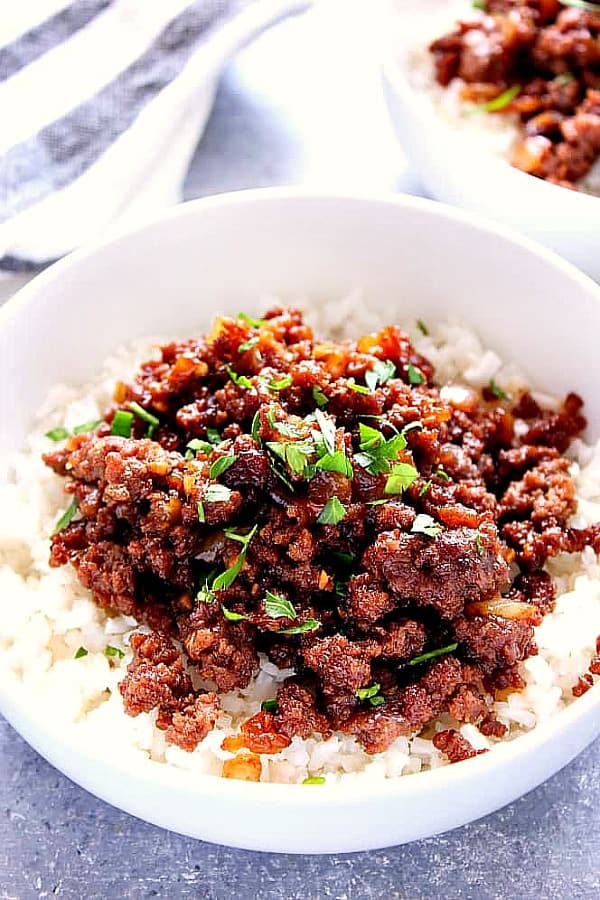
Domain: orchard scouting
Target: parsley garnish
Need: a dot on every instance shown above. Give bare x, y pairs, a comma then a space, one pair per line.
239, 380
279, 607
217, 493
425, 488
415, 376
327, 430
248, 345
369, 437
87, 426
196, 444
221, 465
201, 513
480, 4
332, 513
213, 436
381, 372
61, 433
500, 102
145, 416
232, 616
479, 544
121, 423
336, 462
81, 651
368, 693
401, 478
432, 654
281, 384
377, 459
497, 391
441, 474
255, 323
57, 434
294, 453
226, 578
422, 327
269, 705
255, 427
66, 516
309, 625
114, 651
357, 388
425, 524
319, 397
314, 779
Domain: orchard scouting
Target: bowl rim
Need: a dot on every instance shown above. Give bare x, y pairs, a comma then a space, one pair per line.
394, 68
508, 753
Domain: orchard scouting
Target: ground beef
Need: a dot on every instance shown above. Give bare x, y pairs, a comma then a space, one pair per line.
326, 505
552, 54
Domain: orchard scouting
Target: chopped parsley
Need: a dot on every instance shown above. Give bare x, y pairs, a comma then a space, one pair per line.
332, 513
239, 380
201, 513
368, 692
425, 524
480, 4
500, 102
221, 465
145, 416
415, 376
226, 578
432, 654
381, 372
279, 607
269, 705
327, 429
281, 384
255, 427
308, 625
80, 652
232, 616
400, 478
213, 436
217, 493
319, 397
196, 444
295, 454
121, 423
357, 388
255, 323
58, 434
314, 779
376, 455
87, 426
114, 651
479, 544
369, 437
66, 516
422, 327
440, 473
425, 488
249, 344
497, 391
336, 462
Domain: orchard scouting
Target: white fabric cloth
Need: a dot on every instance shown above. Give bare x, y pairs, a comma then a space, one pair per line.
102, 103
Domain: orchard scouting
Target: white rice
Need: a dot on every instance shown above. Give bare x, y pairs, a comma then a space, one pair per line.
46, 615
494, 135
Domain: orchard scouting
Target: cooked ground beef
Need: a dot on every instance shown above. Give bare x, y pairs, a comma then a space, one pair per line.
260, 491
552, 54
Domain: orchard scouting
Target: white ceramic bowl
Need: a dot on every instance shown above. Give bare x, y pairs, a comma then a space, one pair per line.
453, 170
410, 257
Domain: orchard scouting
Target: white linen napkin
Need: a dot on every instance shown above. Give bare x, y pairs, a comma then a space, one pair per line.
102, 103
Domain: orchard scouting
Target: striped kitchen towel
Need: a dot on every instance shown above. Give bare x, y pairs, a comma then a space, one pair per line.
102, 103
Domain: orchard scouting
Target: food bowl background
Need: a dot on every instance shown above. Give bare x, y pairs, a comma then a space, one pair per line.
410, 258
452, 170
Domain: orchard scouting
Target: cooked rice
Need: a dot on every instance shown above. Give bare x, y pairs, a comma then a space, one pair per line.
494, 135
46, 615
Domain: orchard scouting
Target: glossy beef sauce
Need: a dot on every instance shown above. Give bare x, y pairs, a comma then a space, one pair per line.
323, 503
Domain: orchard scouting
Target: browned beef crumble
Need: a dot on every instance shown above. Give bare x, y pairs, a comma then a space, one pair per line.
552, 53
418, 596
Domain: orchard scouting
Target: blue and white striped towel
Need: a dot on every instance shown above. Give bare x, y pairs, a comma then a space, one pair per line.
102, 103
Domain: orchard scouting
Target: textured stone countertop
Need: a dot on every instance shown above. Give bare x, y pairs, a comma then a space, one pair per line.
289, 112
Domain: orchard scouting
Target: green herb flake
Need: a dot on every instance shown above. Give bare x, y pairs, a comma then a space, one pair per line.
87, 426
379, 700
57, 434
336, 462
255, 427
114, 651
279, 607
400, 478
381, 372
319, 397
240, 380
425, 524
217, 493
201, 513
440, 473
415, 376
369, 437
378, 502
226, 578
368, 692
121, 424
308, 625
205, 595
345, 558
480, 4
432, 654
479, 544
425, 488
255, 323
357, 388
248, 345
197, 444
497, 391
500, 102
213, 436
145, 416
269, 705
281, 383
221, 465
332, 513
80, 652
422, 327
66, 516
314, 779
327, 429
232, 616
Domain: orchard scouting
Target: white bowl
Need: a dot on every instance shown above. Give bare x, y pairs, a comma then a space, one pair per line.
453, 170
410, 257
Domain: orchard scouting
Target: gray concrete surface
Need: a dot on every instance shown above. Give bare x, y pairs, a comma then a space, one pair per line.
291, 111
